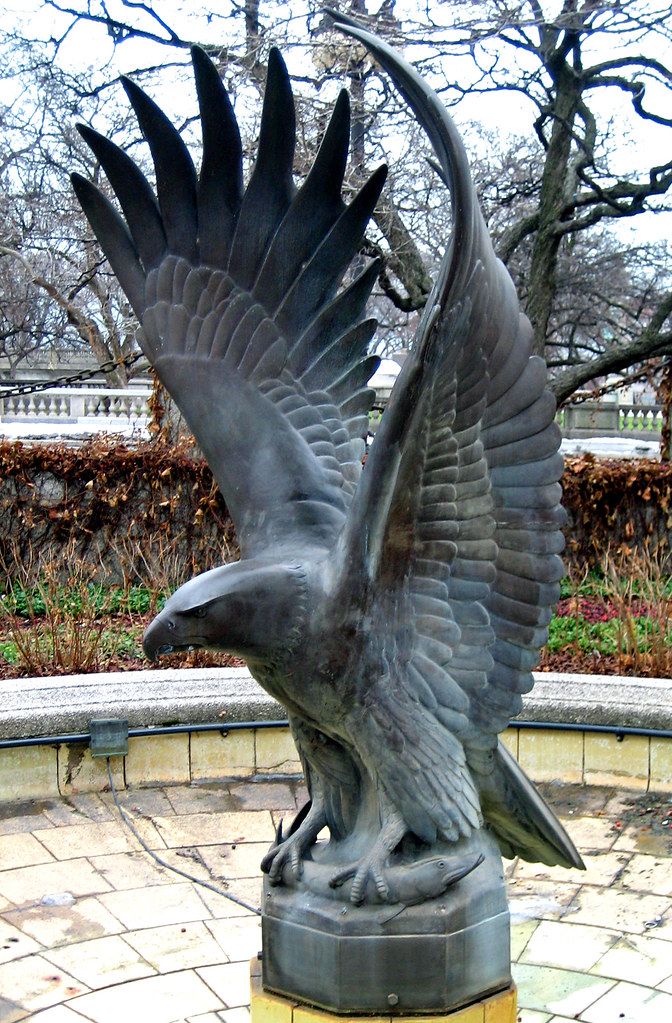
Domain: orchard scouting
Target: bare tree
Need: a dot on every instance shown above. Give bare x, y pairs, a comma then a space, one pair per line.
564, 63
56, 292
597, 304
607, 287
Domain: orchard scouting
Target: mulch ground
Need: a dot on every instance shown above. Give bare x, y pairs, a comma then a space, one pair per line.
562, 661
592, 663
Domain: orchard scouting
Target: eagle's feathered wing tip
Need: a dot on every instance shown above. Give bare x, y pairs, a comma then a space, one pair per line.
311, 215
289, 248
218, 274
430, 113
220, 183
114, 238
134, 194
176, 183
271, 187
318, 277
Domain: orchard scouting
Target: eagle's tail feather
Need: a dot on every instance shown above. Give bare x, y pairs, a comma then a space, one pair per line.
523, 823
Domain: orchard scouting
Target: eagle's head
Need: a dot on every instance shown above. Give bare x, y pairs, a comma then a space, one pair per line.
251, 608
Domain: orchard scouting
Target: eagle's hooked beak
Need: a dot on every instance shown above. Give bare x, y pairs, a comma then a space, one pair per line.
157, 638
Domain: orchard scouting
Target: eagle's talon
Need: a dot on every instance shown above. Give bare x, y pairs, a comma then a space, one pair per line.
381, 886
280, 856
372, 866
371, 869
289, 852
267, 860
338, 879
296, 862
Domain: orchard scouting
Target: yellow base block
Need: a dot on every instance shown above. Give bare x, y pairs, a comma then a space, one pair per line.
269, 1008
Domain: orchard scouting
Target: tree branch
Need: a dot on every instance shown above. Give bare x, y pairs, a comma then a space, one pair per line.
622, 62
403, 260
514, 235
85, 327
653, 340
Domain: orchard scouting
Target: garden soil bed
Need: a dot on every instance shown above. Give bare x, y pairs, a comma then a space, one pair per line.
571, 661
131, 627
119, 647
578, 662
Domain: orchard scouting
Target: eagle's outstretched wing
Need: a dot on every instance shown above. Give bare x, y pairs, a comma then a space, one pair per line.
458, 515
236, 293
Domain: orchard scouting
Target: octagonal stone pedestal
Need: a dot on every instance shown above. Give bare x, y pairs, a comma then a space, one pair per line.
393, 960
501, 1007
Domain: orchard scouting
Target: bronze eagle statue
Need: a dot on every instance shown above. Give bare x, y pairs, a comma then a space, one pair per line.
396, 611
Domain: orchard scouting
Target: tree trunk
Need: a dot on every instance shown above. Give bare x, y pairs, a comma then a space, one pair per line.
552, 203
665, 395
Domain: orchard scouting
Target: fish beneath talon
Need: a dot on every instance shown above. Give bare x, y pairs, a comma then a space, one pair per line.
409, 884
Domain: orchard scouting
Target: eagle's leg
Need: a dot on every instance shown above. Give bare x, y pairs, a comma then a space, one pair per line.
291, 850
372, 865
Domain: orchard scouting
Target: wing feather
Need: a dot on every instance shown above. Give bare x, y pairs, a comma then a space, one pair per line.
271, 188
317, 207
220, 183
118, 244
134, 194
175, 173
316, 282
471, 404
236, 290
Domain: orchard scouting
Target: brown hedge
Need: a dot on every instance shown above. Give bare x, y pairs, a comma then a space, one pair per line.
127, 508
131, 508
617, 506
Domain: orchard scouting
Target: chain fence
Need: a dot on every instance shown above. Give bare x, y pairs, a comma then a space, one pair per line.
73, 378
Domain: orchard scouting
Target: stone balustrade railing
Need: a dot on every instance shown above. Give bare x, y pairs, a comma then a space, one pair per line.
592, 419
70, 404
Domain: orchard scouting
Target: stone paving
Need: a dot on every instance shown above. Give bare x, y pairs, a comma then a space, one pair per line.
92, 928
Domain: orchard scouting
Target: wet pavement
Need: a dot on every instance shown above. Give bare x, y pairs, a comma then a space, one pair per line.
93, 928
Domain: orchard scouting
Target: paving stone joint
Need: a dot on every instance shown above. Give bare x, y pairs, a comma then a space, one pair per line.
92, 928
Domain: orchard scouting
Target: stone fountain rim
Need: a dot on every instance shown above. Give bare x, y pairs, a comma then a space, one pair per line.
64, 704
